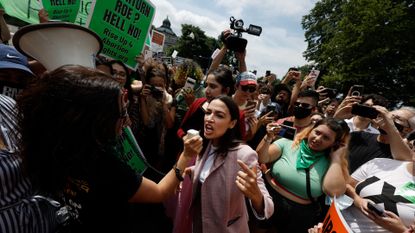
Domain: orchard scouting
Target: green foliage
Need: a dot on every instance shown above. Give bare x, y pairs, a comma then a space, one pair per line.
369, 42
198, 48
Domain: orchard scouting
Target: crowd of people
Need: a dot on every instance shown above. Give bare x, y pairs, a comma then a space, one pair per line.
268, 155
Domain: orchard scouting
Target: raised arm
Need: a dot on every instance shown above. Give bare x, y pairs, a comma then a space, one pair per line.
152, 192
399, 149
268, 152
334, 183
218, 59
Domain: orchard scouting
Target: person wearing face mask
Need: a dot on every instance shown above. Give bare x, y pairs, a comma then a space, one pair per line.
366, 146
304, 106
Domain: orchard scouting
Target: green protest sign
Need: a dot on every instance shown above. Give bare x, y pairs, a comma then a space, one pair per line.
123, 26
84, 9
62, 10
129, 152
25, 10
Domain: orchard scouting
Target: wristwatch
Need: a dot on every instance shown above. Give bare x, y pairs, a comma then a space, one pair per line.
178, 173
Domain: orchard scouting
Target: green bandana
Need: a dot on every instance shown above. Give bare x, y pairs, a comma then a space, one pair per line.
306, 157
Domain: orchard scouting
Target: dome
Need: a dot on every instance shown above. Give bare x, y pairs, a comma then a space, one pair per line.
166, 23
165, 28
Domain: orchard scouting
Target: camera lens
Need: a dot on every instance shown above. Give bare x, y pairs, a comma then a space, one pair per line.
239, 23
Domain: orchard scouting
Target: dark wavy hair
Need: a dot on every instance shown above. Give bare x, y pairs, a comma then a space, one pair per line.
223, 76
127, 73
66, 119
232, 137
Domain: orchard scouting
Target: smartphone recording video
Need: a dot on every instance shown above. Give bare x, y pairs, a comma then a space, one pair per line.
287, 132
365, 111
251, 103
314, 73
356, 90
274, 108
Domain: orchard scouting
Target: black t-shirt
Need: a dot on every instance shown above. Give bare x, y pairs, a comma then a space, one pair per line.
364, 147
99, 196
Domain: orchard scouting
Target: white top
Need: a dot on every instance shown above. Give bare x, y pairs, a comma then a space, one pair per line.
390, 181
369, 129
208, 164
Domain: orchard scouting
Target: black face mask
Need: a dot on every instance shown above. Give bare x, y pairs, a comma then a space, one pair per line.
301, 112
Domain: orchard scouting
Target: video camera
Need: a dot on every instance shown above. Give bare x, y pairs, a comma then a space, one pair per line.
235, 42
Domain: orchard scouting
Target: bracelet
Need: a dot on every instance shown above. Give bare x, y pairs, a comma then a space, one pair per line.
178, 173
267, 140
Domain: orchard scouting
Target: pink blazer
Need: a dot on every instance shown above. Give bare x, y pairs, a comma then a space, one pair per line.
223, 204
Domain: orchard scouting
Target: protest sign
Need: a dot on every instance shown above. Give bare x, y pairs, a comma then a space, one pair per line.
129, 151
84, 9
334, 221
25, 10
174, 54
62, 10
123, 26
157, 41
28, 10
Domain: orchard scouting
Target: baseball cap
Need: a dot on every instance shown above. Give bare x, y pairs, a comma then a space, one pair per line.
10, 58
246, 78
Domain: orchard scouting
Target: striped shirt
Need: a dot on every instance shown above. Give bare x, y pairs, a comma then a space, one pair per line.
20, 211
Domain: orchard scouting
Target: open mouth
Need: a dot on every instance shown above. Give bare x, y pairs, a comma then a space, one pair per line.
208, 129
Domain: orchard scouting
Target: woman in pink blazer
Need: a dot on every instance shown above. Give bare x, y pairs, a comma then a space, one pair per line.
225, 175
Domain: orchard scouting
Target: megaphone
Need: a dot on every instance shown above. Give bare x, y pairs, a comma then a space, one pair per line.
55, 44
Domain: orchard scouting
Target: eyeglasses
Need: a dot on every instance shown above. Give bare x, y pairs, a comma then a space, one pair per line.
247, 88
304, 105
120, 74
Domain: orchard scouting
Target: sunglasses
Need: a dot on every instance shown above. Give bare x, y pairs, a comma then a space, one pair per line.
247, 88
304, 105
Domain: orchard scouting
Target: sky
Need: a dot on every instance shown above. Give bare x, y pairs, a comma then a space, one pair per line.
281, 44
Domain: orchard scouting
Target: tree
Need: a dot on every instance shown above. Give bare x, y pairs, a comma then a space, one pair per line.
194, 44
366, 42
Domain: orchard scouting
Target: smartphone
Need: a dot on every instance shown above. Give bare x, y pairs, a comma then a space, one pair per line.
251, 103
287, 132
288, 123
275, 108
190, 83
270, 107
314, 73
356, 90
330, 92
365, 111
376, 209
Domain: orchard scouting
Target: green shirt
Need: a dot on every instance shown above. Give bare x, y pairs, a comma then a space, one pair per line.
284, 171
